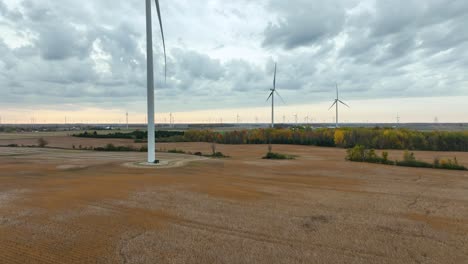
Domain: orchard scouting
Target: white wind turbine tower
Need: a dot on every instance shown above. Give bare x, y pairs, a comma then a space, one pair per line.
336, 103
150, 76
126, 117
272, 95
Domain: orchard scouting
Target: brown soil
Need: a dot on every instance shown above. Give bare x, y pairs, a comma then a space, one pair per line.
65, 206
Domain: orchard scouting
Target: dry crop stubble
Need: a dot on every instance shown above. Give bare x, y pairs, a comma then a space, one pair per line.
85, 207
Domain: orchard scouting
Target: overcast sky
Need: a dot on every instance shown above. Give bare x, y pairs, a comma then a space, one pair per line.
86, 59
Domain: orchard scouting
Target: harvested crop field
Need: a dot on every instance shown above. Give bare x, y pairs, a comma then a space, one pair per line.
70, 206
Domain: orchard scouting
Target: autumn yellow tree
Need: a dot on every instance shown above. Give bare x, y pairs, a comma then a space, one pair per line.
339, 138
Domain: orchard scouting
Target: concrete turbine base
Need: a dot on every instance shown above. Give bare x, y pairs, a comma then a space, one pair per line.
172, 161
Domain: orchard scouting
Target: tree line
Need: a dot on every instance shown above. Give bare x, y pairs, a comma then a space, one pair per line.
372, 138
136, 135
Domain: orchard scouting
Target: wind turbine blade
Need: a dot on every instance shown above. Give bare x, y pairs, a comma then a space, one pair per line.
271, 94
274, 79
332, 105
344, 103
162, 35
280, 97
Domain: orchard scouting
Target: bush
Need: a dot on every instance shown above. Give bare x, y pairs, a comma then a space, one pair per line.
143, 149
111, 147
176, 151
414, 163
385, 156
408, 157
409, 160
218, 155
278, 156
42, 142
356, 154
449, 165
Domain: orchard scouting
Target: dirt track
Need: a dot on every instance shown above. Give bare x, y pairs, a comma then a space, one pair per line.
59, 206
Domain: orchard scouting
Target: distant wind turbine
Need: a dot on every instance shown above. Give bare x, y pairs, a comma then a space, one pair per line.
150, 76
272, 95
336, 102
126, 116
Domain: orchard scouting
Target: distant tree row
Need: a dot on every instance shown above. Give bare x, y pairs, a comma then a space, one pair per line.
372, 138
318, 137
388, 138
136, 135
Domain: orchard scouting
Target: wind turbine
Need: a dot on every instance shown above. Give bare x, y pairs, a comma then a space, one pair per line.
126, 116
272, 95
150, 76
336, 103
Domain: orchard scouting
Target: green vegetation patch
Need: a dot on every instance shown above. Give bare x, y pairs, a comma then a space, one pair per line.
112, 147
360, 154
176, 151
278, 156
218, 155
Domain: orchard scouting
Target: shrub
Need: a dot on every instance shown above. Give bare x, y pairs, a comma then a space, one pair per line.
450, 165
385, 156
277, 156
176, 151
409, 160
218, 155
408, 157
360, 154
356, 154
42, 142
143, 149
111, 147
414, 163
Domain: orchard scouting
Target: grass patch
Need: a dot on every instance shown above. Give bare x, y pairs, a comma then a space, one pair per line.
112, 147
278, 156
217, 155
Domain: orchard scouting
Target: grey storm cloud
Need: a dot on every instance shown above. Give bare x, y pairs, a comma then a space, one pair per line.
304, 22
93, 52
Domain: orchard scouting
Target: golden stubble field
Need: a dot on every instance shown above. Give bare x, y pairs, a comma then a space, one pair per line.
70, 206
